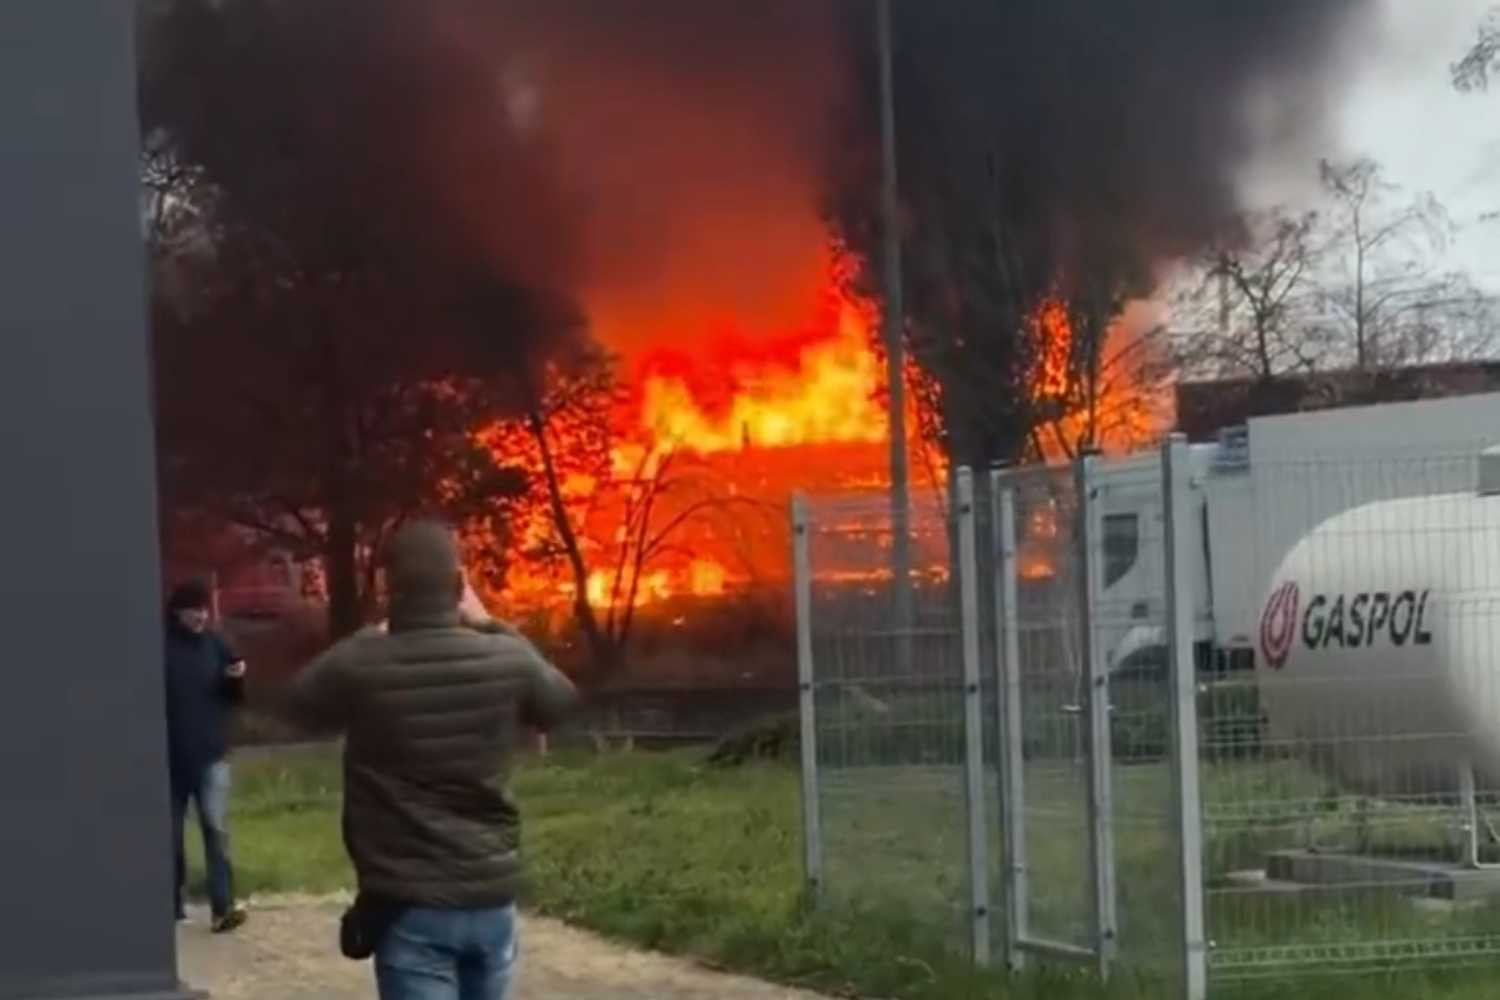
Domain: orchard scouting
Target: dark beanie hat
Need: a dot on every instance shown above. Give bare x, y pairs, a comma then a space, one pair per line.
190, 594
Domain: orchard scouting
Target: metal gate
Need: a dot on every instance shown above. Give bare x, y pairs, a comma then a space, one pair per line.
1046, 724
976, 758
1094, 720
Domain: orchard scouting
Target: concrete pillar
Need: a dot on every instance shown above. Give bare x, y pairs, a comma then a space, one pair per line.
85, 871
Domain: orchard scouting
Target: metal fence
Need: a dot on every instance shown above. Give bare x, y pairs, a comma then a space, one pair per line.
1197, 720
1345, 803
887, 706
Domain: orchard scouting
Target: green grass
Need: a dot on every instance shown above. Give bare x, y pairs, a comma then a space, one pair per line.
663, 852
284, 825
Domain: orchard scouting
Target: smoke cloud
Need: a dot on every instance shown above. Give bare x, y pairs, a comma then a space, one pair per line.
663, 158
1120, 126
669, 161
692, 138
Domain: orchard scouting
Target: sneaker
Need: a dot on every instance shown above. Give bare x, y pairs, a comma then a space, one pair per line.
229, 921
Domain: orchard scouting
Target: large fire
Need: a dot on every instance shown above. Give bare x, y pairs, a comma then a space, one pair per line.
713, 435
712, 438
824, 393
729, 391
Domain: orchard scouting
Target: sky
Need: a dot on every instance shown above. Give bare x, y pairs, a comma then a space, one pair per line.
1398, 106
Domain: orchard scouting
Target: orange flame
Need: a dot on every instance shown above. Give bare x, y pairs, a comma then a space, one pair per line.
828, 395
1038, 544
763, 418
817, 385
745, 420
1050, 378
1116, 407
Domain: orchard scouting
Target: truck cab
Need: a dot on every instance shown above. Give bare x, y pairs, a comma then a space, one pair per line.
1130, 611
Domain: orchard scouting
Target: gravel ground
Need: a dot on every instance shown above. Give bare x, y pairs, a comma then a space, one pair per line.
288, 950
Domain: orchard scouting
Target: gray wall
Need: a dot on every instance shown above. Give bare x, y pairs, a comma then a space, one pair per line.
85, 902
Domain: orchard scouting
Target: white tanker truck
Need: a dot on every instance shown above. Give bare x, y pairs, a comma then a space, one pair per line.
1351, 559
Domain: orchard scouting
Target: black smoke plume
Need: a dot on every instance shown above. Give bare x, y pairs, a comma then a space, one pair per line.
1151, 106
662, 160
1067, 148
670, 160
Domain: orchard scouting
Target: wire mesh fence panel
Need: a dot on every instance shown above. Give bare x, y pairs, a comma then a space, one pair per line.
889, 711
989, 570
1349, 781
1054, 774
1128, 620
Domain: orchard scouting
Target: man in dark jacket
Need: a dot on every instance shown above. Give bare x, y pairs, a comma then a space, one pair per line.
433, 709
204, 678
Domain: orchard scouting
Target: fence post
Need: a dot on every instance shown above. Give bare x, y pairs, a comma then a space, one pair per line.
974, 799
1097, 715
1008, 719
812, 830
1178, 519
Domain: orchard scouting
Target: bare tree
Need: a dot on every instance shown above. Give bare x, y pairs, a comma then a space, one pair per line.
1358, 285
565, 433
1095, 377
1472, 72
1245, 306
1109, 403
1381, 289
605, 512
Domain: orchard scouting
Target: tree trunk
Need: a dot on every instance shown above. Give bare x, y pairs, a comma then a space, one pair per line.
601, 645
1263, 348
340, 550
344, 615
1361, 349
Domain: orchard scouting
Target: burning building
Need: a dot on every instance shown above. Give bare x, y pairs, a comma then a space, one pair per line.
696, 176
713, 433
720, 152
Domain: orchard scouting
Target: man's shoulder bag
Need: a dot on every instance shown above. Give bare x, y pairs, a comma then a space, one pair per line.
364, 924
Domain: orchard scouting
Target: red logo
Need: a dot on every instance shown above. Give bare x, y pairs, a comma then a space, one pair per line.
1278, 626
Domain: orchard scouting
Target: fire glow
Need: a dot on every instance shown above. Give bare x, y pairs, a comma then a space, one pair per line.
716, 433
815, 385
826, 396
720, 429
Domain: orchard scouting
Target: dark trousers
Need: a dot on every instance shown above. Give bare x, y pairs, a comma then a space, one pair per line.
207, 788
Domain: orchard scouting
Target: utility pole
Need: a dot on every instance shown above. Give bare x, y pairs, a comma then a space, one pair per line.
895, 348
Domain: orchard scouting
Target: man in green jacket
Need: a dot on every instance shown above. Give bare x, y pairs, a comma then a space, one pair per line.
433, 708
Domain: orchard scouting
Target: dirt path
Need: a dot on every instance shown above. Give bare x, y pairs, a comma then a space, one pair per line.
287, 950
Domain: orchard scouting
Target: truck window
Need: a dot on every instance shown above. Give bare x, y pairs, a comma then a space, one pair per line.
1122, 543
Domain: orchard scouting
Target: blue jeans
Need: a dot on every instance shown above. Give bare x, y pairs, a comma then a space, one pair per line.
431, 954
207, 788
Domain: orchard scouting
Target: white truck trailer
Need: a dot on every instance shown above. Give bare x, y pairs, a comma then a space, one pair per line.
1351, 558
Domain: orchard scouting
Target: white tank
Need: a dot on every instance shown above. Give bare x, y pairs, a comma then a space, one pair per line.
1379, 643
